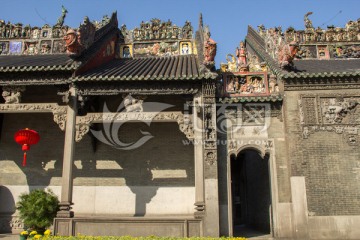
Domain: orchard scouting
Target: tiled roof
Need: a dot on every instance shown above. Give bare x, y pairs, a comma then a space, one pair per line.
315, 66
254, 40
305, 68
184, 67
29, 63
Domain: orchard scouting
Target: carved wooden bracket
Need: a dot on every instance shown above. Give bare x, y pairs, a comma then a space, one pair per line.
83, 122
81, 130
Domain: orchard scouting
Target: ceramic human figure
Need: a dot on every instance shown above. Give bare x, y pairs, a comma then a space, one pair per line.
241, 54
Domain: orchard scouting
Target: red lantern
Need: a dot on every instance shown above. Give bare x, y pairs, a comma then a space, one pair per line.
26, 137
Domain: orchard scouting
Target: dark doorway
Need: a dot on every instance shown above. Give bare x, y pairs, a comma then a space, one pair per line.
251, 199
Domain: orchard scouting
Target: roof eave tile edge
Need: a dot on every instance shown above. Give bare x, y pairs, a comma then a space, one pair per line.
136, 78
37, 69
270, 98
291, 76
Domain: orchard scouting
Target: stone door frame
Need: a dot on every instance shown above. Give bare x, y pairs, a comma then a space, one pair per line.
262, 150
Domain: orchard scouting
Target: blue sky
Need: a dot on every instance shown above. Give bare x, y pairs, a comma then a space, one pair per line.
228, 19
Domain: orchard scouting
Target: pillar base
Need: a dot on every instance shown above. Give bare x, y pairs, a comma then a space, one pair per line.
200, 210
65, 210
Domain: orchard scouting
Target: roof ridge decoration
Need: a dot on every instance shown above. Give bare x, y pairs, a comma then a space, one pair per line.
253, 41
161, 30
244, 76
316, 43
206, 47
60, 21
20, 39
157, 38
78, 40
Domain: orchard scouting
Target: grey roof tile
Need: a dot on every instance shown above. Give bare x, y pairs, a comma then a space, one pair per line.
23, 63
184, 67
317, 66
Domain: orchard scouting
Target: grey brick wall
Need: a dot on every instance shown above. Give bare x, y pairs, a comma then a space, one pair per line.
327, 162
165, 153
106, 166
276, 132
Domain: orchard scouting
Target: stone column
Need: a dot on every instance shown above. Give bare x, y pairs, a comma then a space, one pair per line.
198, 157
69, 147
211, 220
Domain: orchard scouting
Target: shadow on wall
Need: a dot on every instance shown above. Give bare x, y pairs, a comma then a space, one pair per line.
7, 208
162, 162
49, 151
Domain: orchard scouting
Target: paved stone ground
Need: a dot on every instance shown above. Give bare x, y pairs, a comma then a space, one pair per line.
9, 236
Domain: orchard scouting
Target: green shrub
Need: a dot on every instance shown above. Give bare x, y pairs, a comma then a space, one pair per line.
38, 208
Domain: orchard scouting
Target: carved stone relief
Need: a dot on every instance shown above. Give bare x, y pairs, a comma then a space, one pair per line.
12, 94
209, 121
133, 104
210, 157
60, 119
339, 110
333, 113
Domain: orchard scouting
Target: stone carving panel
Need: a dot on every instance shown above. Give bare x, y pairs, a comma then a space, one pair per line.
209, 126
210, 157
246, 84
340, 110
332, 113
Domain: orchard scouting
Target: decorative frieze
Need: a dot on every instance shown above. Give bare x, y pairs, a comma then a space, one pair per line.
143, 88
157, 29
59, 112
83, 122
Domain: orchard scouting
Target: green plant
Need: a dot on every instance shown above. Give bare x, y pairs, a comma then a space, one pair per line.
38, 208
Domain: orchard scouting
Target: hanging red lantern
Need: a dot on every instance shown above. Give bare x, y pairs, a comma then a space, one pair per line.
26, 137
